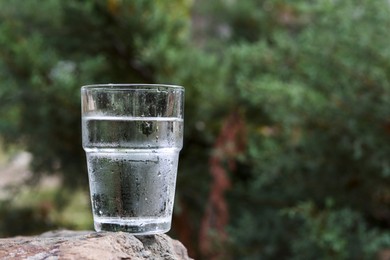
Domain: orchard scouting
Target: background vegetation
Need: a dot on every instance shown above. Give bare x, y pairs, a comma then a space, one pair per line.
287, 125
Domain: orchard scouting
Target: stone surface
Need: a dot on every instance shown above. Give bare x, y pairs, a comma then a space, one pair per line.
91, 245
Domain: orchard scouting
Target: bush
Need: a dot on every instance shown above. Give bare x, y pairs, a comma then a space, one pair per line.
312, 82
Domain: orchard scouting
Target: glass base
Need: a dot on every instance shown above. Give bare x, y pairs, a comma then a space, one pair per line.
133, 226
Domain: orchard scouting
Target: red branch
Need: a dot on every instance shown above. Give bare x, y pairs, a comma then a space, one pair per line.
230, 143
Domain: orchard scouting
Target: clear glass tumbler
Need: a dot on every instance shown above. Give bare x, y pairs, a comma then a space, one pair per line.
132, 135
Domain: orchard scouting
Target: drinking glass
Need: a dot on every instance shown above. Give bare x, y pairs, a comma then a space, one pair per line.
132, 135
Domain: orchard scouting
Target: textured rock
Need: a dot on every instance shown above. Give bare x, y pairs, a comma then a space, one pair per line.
91, 245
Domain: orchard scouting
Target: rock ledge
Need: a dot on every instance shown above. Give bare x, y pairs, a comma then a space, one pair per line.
67, 244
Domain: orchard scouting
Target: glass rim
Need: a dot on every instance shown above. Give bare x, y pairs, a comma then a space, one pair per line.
130, 86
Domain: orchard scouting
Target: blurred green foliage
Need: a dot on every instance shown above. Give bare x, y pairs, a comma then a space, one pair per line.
311, 80
36, 209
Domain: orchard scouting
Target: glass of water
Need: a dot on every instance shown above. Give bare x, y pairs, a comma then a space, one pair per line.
132, 135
